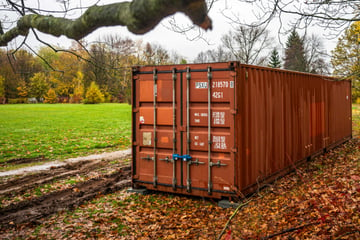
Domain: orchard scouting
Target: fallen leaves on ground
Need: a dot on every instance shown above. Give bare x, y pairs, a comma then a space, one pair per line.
319, 200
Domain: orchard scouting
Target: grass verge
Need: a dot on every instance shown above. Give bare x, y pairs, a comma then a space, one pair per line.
40, 132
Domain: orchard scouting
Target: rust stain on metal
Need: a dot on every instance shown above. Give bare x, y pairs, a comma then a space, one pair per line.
207, 129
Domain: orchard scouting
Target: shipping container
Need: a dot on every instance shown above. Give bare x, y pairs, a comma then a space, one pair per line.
220, 129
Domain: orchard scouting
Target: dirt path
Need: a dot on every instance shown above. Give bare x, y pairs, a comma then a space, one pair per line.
101, 174
54, 164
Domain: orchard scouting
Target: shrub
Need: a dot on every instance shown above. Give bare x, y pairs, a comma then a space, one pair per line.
50, 96
94, 95
17, 100
77, 97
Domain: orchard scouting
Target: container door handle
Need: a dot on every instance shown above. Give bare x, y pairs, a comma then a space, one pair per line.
148, 158
217, 164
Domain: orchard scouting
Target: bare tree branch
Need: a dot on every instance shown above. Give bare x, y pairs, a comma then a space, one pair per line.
333, 15
140, 16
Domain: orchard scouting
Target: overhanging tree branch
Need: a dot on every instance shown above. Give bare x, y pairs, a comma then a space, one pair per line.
140, 16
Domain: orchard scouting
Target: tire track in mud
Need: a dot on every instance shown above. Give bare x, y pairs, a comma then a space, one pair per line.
31, 211
21, 184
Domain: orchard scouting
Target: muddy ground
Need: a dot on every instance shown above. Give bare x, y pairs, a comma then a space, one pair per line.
35, 195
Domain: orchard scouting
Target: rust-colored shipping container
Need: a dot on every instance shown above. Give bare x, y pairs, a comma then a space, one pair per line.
218, 129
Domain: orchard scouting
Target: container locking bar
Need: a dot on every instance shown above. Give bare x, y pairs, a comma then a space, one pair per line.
174, 78
155, 77
209, 78
188, 77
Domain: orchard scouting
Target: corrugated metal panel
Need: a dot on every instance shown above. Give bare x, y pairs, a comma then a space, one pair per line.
215, 129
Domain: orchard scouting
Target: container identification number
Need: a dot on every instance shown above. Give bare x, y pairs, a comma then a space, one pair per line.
218, 95
220, 84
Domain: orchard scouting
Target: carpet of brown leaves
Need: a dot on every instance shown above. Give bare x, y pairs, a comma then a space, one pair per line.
320, 200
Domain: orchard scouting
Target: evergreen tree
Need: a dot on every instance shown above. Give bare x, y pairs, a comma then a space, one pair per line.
94, 95
274, 61
295, 58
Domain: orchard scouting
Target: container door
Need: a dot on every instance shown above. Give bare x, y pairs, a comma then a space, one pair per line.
155, 127
183, 124
210, 133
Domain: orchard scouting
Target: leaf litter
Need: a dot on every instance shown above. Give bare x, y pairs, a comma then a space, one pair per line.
319, 200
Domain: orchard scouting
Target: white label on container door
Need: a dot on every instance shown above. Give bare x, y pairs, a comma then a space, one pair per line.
231, 84
142, 120
218, 118
219, 142
147, 138
201, 85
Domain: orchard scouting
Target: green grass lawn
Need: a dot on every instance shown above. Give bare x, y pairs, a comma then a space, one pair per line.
59, 131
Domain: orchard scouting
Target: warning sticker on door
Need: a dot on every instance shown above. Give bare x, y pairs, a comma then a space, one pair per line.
142, 120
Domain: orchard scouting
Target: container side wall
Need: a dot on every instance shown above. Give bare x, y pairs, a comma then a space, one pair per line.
339, 111
286, 117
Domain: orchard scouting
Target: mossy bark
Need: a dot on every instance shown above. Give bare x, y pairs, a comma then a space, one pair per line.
140, 16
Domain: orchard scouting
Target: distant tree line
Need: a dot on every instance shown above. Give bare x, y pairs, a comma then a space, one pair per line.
66, 75
103, 67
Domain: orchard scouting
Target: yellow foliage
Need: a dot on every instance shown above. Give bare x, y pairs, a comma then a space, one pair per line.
357, 29
94, 95
2, 86
50, 96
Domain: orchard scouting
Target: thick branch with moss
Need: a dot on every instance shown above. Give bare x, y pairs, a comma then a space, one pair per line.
139, 16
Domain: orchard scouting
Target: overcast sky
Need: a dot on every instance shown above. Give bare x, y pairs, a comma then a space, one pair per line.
176, 41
